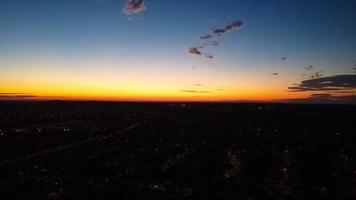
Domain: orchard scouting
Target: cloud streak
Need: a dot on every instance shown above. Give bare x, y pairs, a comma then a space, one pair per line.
16, 96
13, 95
196, 91
324, 99
9, 93
210, 39
331, 83
208, 55
218, 32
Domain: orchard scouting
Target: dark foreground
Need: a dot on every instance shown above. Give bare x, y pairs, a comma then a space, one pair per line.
88, 150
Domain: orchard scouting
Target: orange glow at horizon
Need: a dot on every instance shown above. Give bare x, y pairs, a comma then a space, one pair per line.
139, 82
145, 92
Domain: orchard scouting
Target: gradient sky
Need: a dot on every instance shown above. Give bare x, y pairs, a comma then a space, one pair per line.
88, 49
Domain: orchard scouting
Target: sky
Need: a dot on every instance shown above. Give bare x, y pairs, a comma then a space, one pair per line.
153, 50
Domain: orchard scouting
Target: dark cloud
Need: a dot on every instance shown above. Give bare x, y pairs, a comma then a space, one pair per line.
234, 25
347, 92
309, 68
346, 99
284, 58
132, 7
274, 74
221, 31
325, 99
206, 37
331, 83
195, 91
320, 95
194, 50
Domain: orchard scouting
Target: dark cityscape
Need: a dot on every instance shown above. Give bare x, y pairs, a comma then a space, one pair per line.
107, 150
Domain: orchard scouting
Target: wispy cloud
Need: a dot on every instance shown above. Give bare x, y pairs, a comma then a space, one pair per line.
196, 91
316, 74
210, 39
208, 55
310, 67
311, 72
133, 7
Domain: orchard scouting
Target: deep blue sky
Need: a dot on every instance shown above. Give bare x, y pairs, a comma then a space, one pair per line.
309, 32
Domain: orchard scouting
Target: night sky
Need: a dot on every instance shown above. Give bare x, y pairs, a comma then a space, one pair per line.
295, 50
